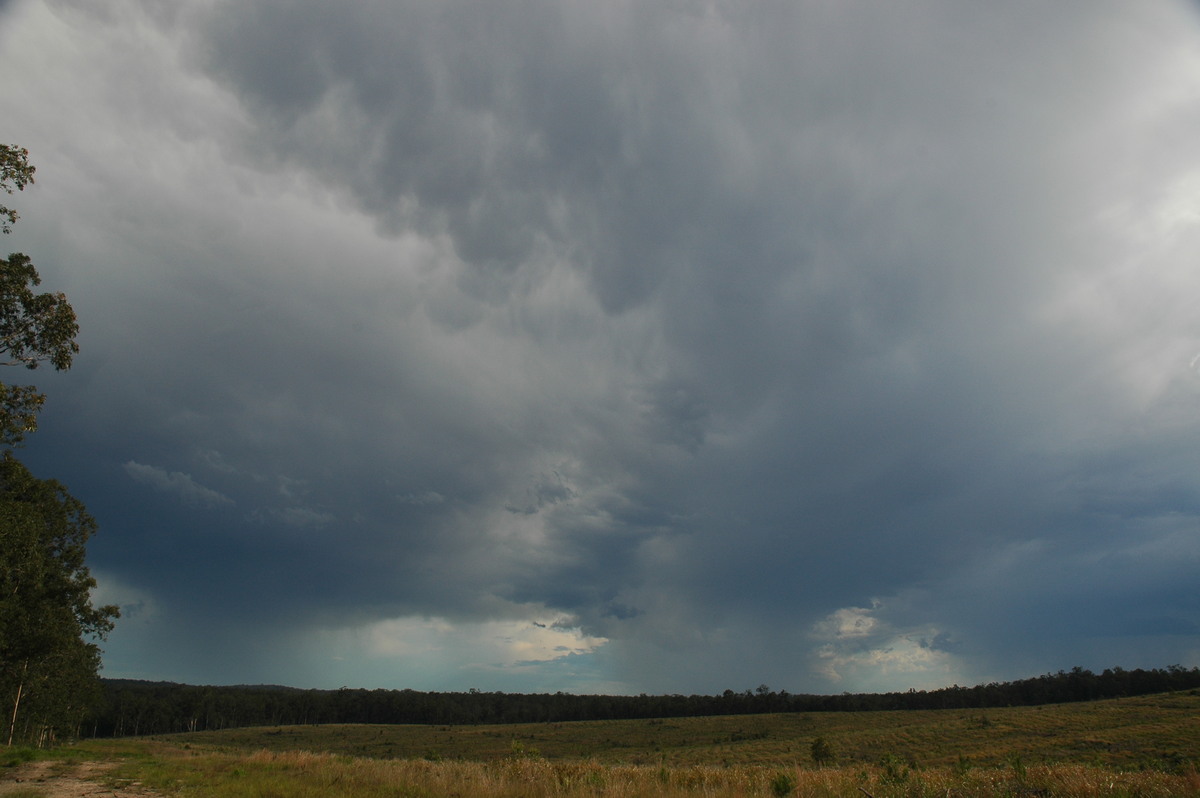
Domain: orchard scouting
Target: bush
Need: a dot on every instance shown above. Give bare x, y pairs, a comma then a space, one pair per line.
895, 771
822, 752
18, 755
783, 784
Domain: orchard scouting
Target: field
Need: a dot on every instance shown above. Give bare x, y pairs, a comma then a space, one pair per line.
1135, 746
1122, 733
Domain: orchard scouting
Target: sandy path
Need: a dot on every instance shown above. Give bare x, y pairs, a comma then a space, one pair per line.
51, 779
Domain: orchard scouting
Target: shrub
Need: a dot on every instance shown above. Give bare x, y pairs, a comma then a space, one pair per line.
783, 784
822, 752
18, 755
895, 771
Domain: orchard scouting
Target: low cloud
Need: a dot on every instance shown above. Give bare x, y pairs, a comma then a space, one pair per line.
537, 655
422, 499
859, 649
178, 484
300, 517
848, 623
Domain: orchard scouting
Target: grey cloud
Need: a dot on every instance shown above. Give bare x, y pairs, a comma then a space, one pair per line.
844, 270
697, 324
546, 490
428, 497
302, 517
941, 641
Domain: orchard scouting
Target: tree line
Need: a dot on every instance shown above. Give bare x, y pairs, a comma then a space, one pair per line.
138, 707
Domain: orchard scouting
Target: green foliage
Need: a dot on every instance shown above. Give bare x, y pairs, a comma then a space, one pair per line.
822, 752
19, 407
522, 751
34, 328
783, 783
1018, 769
17, 755
48, 657
15, 174
48, 662
895, 770
146, 708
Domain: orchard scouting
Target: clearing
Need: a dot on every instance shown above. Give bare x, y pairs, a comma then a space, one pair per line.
49, 778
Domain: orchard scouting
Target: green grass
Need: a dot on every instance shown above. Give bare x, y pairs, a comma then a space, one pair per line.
17, 755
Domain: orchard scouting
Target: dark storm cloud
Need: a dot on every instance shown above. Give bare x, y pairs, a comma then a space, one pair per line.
855, 337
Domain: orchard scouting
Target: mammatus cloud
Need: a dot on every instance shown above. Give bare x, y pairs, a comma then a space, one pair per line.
176, 483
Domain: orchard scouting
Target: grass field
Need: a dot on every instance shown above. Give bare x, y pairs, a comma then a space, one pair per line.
1147, 731
1146, 746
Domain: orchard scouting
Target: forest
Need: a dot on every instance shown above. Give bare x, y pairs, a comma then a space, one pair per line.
140, 708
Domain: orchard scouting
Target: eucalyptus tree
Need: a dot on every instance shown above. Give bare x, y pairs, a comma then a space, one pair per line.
48, 626
35, 328
15, 173
49, 656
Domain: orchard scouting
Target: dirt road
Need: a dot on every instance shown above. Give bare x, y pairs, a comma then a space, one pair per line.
50, 779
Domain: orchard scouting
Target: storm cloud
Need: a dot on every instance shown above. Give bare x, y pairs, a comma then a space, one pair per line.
623, 346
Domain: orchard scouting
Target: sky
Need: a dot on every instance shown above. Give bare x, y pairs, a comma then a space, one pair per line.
664, 346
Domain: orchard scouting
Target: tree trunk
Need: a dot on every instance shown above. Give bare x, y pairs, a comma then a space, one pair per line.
12, 724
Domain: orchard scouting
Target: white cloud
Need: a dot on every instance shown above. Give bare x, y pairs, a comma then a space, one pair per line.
848, 623
488, 644
899, 660
858, 648
440, 654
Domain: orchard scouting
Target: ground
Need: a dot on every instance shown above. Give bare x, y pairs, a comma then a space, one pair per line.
50, 779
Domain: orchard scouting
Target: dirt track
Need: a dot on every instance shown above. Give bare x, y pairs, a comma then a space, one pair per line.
51, 779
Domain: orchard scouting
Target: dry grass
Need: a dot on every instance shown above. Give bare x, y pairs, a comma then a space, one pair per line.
297, 774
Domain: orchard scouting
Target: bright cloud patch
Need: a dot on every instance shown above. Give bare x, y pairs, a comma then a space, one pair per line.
529, 655
848, 623
136, 605
492, 644
859, 649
